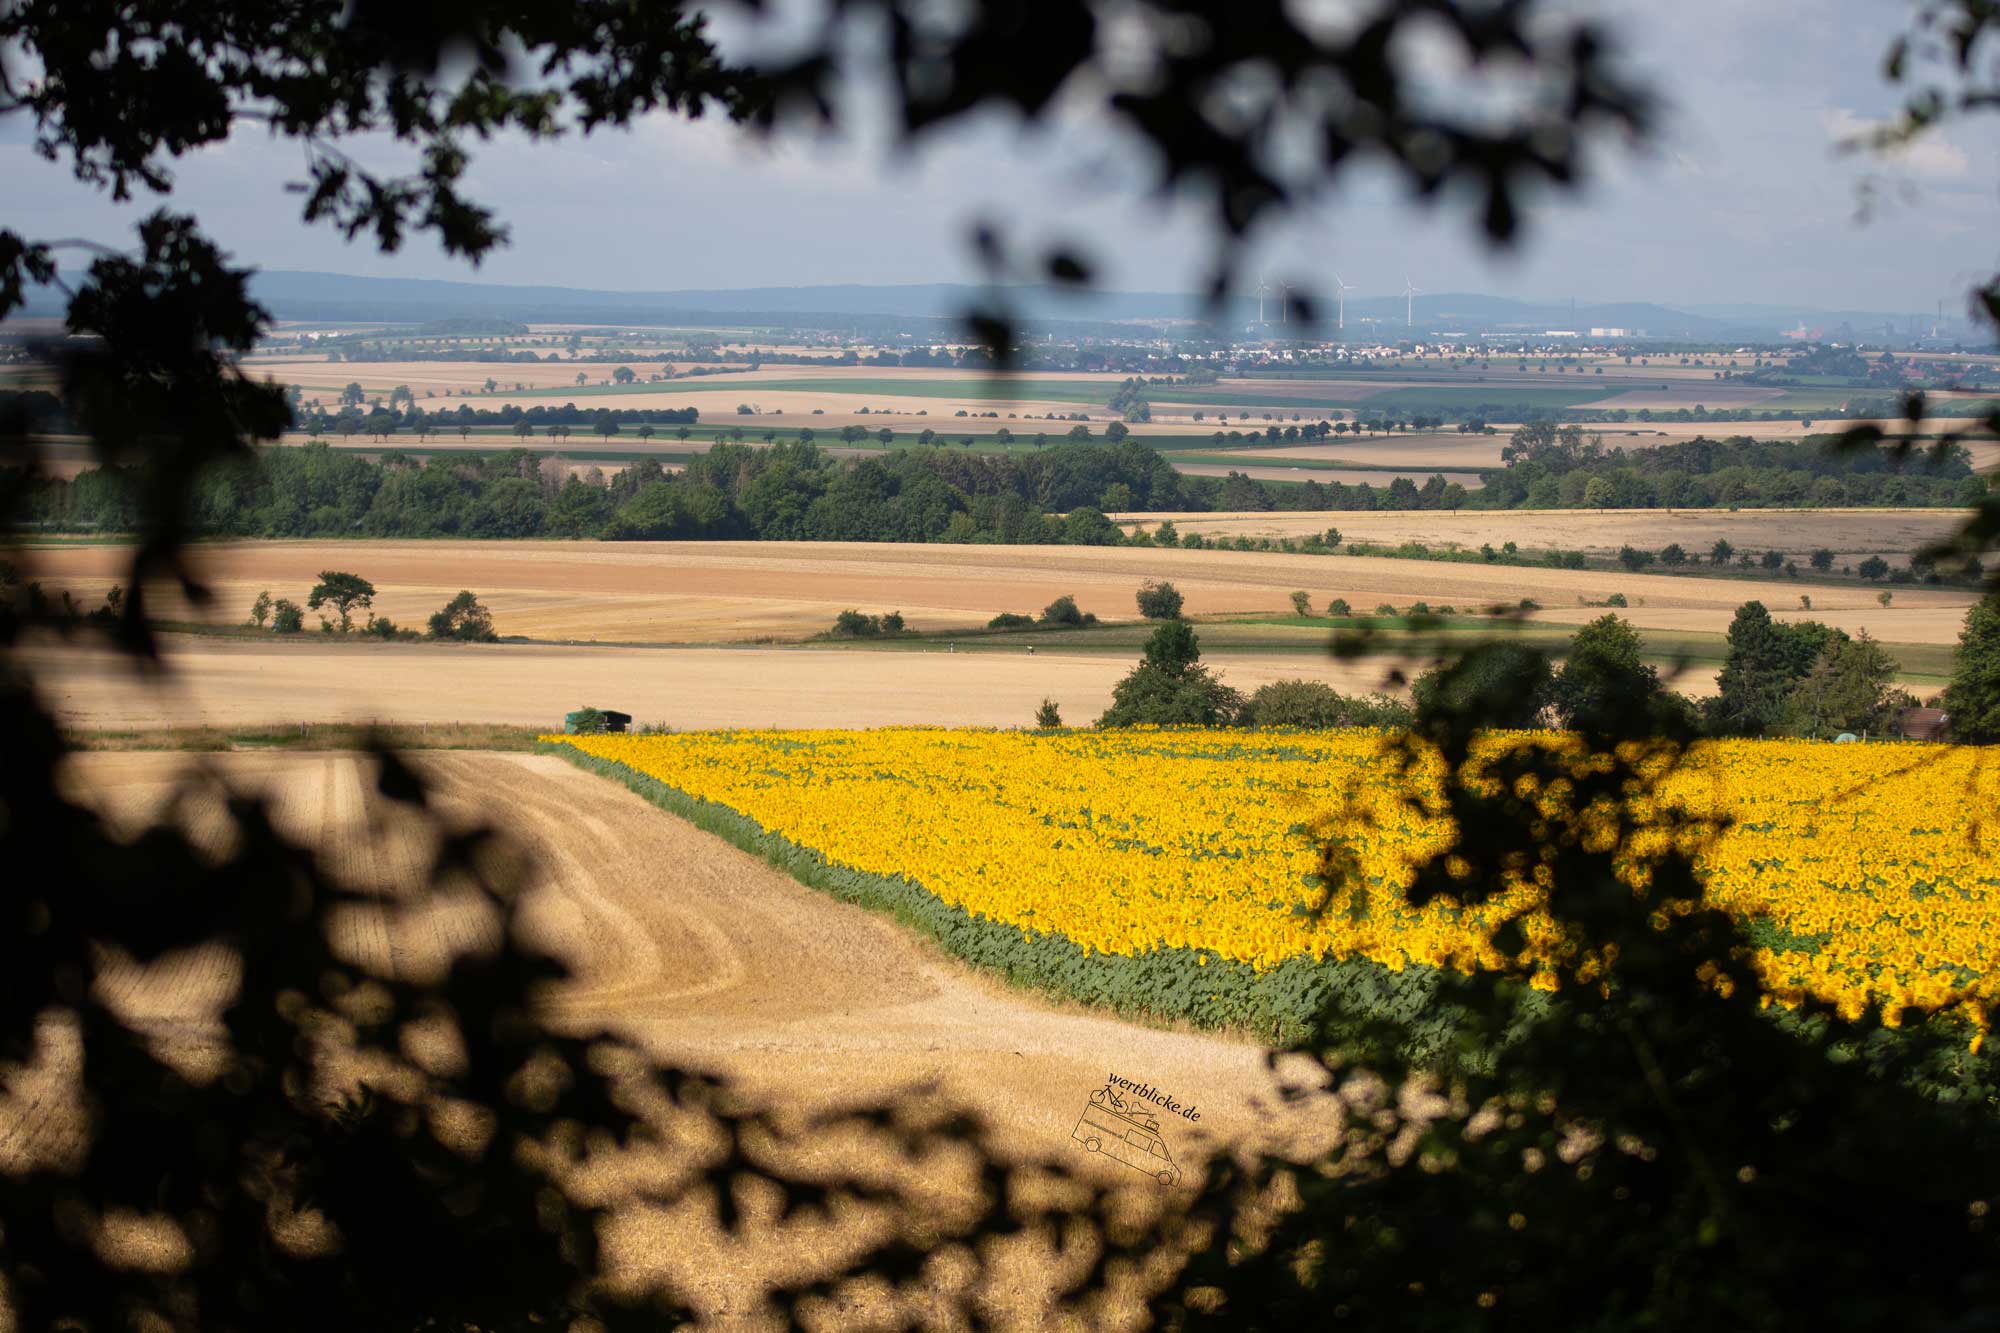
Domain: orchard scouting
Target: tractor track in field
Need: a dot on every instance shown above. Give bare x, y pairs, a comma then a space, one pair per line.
708, 959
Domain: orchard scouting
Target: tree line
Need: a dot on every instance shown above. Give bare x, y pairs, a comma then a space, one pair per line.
1803, 679
789, 491
1551, 467
794, 491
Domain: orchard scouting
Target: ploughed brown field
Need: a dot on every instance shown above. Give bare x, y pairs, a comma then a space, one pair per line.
709, 960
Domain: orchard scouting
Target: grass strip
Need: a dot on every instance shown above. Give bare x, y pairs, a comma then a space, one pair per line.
310, 736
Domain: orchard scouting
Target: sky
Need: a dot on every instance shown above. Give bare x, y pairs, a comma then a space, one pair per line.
1744, 197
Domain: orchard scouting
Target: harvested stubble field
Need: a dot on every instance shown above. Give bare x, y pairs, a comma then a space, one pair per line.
1434, 450
1851, 534
234, 683
1278, 470
713, 592
1449, 449
710, 959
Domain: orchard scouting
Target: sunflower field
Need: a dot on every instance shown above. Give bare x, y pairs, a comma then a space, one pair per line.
1175, 870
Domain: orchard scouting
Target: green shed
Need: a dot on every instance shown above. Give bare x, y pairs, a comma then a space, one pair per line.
587, 721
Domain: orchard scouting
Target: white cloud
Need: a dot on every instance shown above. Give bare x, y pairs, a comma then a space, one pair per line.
1930, 156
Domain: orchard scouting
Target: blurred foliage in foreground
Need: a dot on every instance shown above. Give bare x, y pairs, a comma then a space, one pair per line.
343, 1149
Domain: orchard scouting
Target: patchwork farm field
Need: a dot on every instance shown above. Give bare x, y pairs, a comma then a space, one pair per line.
1162, 870
792, 396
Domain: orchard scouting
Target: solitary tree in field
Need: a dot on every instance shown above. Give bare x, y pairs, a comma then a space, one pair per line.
581, 379
624, 375
344, 592
1719, 553
1301, 604
645, 432
1063, 611
1170, 686
260, 610
1159, 600
464, 619
522, 430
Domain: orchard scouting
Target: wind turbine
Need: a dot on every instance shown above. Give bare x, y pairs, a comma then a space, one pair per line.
1285, 290
1340, 302
1410, 293
1263, 290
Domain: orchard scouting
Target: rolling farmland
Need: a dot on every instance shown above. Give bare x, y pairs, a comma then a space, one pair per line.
701, 956
708, 592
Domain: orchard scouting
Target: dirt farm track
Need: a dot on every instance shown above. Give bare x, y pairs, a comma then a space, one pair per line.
708, 959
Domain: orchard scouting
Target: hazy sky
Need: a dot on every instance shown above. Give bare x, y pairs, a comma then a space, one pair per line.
1744, 198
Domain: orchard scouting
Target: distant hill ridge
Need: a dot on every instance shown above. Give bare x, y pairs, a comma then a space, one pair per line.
335, 297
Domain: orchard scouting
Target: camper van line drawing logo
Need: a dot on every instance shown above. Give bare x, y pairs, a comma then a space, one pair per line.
1122, 1127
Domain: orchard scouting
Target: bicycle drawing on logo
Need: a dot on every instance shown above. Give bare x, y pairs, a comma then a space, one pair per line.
1123, 1129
